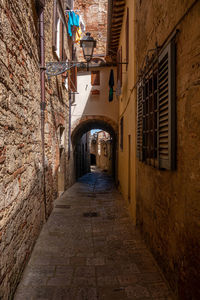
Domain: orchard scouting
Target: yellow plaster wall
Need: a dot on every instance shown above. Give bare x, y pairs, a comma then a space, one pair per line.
168, 209
127, 107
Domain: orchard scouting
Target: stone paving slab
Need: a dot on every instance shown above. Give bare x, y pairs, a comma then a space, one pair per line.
101, 257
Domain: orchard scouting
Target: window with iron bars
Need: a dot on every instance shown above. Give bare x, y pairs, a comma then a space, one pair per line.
156, 111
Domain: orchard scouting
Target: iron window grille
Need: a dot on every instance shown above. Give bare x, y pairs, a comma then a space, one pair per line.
156, 111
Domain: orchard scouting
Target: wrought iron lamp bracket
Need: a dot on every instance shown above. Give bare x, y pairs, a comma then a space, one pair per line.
57, 68
60, 67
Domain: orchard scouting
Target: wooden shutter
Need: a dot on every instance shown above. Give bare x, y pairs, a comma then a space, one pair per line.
139, 121
72, 79
166, 102
118, 65
54, 29
69, 4
122, 133
61, 40
121, 66
127, 38
62, 4
95, 78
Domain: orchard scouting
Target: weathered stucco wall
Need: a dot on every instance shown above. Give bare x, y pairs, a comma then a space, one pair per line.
127, 105
87, 104
21, 172
168, 207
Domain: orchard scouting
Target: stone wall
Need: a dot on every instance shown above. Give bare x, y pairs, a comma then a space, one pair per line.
168, 207
103, 151
21, 172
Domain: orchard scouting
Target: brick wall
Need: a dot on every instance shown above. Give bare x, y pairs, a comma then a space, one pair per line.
94, 15
21, 172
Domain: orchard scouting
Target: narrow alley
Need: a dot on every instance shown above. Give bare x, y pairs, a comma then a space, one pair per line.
99, 149
90, 250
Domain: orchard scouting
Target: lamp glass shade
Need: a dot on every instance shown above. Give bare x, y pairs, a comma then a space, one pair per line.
88, 44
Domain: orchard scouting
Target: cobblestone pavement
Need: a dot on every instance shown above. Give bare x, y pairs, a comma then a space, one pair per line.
90, 250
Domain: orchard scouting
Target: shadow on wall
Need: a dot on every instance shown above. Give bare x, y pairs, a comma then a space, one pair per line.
27, 213
24, 214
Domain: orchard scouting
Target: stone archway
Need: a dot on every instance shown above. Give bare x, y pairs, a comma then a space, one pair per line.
87, 123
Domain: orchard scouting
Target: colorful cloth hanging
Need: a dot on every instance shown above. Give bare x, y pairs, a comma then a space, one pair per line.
72, 21
80, 30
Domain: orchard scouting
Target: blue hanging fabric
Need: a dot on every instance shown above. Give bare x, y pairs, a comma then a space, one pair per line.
73, 21
70, 23
76, 19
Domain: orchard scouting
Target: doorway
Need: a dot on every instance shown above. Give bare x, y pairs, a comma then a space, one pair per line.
93, 159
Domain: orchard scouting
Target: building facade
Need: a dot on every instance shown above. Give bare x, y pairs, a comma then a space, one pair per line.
142, 87
101, 151
92, 107
33, 128
157, 54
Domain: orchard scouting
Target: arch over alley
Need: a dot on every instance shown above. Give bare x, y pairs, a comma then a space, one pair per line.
84, 125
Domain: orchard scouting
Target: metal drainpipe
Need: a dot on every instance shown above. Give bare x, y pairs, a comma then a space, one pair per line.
43, 102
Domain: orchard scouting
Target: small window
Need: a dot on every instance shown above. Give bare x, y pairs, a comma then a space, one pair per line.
95, 78
59, 28
122, 133
156, 112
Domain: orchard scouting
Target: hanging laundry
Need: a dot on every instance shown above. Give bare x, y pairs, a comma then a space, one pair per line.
72, 21
82, 24
111, 85
78, 36
75, 19
80, 30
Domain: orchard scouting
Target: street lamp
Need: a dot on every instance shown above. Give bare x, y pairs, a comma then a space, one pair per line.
88, 44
